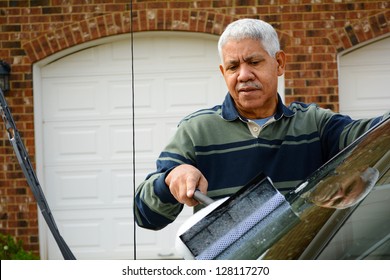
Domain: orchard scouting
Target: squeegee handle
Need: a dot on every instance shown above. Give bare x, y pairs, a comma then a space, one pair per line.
202, 198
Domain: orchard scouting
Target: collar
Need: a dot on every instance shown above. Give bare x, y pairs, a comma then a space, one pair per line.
229, 111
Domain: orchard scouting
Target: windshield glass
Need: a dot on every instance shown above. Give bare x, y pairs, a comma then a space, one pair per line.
333, 197
366, 234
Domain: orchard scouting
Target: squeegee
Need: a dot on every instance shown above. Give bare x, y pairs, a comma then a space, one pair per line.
237, 227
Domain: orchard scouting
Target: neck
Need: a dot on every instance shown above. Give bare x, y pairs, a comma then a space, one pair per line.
266, 111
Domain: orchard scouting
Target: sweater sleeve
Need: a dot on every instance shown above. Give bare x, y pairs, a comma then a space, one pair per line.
155, 207
340, 130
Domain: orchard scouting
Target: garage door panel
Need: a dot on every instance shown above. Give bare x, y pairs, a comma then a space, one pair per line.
111, 141
149, 96
83, 187
363, 80
91, 230
77, 187
93, 61
122, 241
65, 99
173, 53
80, 187
118, 98
187, 94
145, 101
87, 60
366, 89
87, 98
120, 53
90, 236
77, 142
120, 141
121, 190
111, 237
177, 94
149, 134
197, 47
84, 236
148, 142
158, 245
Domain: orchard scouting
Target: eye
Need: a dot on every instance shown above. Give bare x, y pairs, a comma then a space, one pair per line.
231, 67
349, 190
337, 202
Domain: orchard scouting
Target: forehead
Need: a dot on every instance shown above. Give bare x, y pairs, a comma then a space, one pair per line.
240, 49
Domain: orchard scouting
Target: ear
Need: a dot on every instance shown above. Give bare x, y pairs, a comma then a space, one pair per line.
281, 59
221, 69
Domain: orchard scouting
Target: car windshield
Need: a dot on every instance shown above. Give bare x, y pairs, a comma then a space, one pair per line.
341, 211
366, 234
344, 207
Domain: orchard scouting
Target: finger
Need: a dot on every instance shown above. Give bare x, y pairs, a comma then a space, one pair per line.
192, 184
203, 184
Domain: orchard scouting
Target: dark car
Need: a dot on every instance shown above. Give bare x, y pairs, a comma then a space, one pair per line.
357, 231
342, 211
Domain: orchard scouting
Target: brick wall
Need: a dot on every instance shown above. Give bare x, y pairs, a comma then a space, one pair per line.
312, 32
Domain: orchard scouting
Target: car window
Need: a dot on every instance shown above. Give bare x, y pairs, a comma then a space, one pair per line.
366, 233
339, 212
357, 228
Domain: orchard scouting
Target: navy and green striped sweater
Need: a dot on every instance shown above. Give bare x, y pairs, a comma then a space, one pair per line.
230, 150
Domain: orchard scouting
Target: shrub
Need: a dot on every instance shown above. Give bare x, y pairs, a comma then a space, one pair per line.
10, 249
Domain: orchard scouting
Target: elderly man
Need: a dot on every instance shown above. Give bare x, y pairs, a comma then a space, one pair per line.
218, 150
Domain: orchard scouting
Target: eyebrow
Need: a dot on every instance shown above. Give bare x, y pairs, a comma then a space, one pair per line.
232, 61
253, 56
246, 59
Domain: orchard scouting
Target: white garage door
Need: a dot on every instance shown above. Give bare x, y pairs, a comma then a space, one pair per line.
363, 77
86, 148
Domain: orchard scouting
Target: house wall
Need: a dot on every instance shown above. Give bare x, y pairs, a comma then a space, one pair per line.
312, 33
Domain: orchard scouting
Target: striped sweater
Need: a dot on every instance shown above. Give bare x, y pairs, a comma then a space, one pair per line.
230, 150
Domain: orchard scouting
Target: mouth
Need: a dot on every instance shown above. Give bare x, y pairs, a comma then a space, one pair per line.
248, 87
324, 193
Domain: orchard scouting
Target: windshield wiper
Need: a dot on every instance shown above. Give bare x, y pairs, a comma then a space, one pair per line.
32, 180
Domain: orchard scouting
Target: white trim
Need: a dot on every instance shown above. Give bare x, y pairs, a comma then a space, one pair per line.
37, 88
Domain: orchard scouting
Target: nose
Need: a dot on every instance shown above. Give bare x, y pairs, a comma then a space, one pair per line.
339, 194
245, 73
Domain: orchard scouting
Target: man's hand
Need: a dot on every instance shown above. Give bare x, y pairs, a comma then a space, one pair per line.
182, 182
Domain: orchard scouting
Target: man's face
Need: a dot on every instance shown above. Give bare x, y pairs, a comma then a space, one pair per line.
344, 189
251, 76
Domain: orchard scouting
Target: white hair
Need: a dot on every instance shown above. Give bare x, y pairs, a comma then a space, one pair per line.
251, 29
